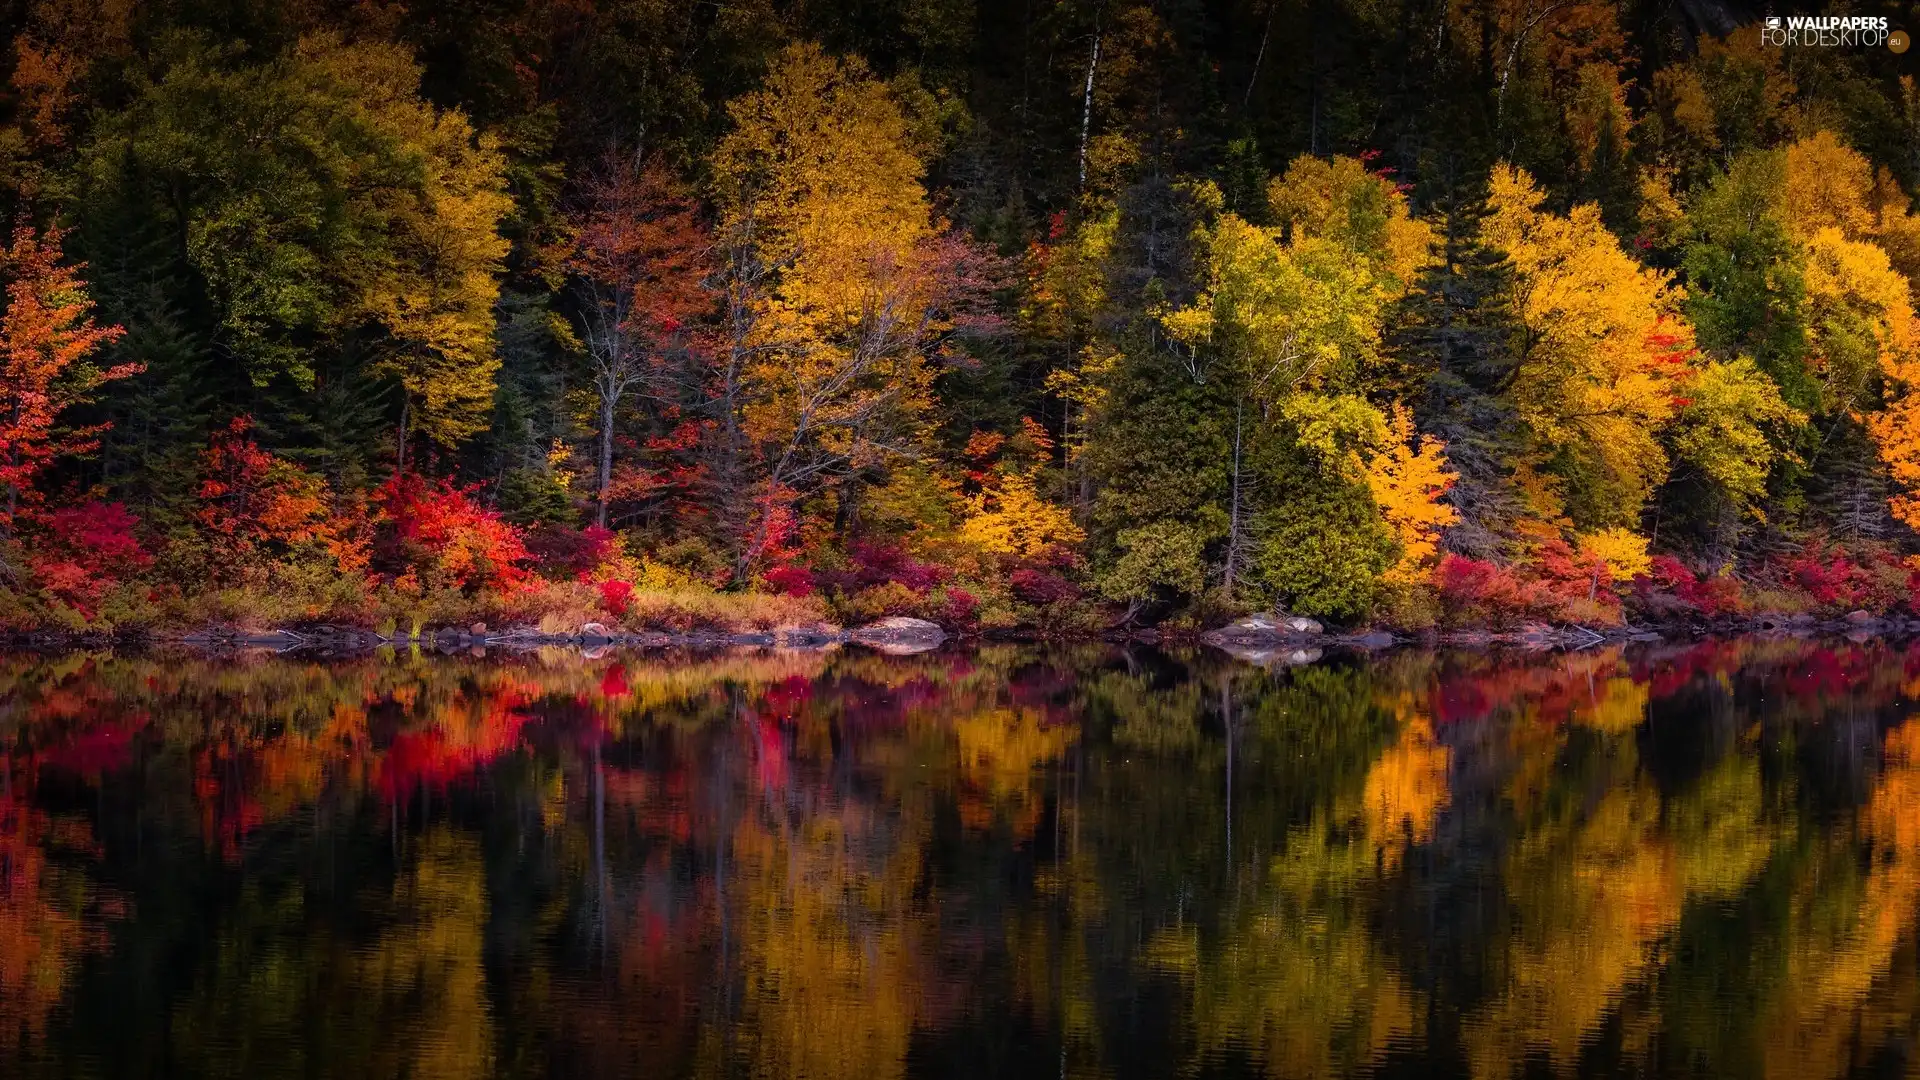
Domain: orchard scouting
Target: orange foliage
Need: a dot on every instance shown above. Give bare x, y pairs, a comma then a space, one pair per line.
454, 539
1408, 479
46, 337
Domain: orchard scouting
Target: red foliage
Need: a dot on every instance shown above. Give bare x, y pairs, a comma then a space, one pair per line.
564, 552
960, 607
452, 535
253, 503
791, 580
787, 697
1042, 587
1474, 590
1566, 575
102, 747
1709, 596
86, 550
881, 564
1830, 578
639, 236
615, 595
614, 686
771, 530
45, 337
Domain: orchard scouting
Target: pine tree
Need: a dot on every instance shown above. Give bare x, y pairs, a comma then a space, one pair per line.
1458, 333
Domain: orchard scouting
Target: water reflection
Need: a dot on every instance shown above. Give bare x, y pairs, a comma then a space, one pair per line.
1079, 862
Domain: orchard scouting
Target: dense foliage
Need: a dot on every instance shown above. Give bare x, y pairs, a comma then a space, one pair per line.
996, 313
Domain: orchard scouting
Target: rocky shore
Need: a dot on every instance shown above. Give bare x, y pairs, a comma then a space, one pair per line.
901, 635
1261, 639
1284, 639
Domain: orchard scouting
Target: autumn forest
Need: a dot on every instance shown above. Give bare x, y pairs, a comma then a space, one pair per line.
1014, 315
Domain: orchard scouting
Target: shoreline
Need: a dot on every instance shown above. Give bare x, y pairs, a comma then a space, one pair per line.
1256, 639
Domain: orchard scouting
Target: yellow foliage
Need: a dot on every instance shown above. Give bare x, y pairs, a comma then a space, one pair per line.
1341, 201
1590, 906
1284, 316
1828, 186
1722, 430
1408, 478
1598, 108
819, 186
828, 929
1623, 550
1834, 964
1011, 517
1615, 706
1897, 433
1603, 339
436, 289
1406, 790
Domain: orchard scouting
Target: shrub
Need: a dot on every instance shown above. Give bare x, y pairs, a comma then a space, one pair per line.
84, 551
1042, 587
449, 539
790, 580
559, 551
615, 595
1711, 596
1473, 590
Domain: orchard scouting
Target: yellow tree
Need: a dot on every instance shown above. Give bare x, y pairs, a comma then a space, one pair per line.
1860, 313
1601, 346
1340, 200
1896, 431
840, 275
1408, 477
433, 284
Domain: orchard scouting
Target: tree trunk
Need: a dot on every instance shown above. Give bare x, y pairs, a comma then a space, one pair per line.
400, 457
1246, 101
1086, 102
1233, 511
608, 403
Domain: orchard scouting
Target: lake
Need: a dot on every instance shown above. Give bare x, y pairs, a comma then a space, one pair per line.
1665, 860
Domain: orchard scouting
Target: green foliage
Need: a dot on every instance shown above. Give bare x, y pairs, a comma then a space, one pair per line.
316, 196
1746, 288
534, 497
1322, 549
1170, 309
1730, 425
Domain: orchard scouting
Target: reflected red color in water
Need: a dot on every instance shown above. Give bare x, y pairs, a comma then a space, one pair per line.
843, 864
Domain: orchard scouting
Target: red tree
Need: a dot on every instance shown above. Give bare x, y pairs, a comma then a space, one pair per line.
641, 263
46, 337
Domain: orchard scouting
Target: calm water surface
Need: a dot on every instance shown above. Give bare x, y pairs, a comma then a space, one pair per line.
1676, 861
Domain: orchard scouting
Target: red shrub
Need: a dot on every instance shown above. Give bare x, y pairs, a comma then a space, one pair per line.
445, 532
791, 580
1041, 587
86, 550
562, 552
871, 565
1566, 576
1473, 590
1709, 596
615, 595
878, 564
255, 503
960, 607
1827, 581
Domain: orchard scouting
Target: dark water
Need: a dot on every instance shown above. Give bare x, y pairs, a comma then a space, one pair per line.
1675, 862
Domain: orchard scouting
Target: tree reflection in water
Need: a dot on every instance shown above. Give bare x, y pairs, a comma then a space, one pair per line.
1079, 861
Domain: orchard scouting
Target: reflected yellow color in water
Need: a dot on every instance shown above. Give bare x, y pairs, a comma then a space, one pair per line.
1671, 860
